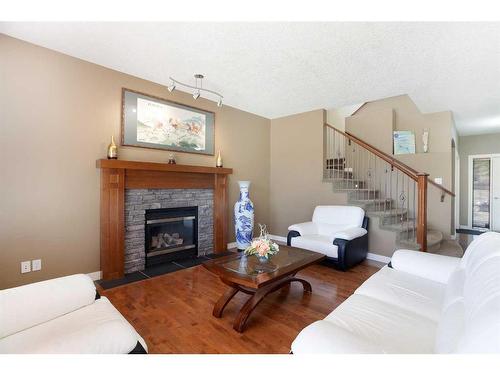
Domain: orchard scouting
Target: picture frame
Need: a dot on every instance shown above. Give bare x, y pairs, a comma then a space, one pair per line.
153, 122
404, 142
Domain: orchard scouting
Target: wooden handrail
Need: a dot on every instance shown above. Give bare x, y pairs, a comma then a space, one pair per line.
406, 169
443, 189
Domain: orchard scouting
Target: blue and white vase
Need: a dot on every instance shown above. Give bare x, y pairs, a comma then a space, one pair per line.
243, 217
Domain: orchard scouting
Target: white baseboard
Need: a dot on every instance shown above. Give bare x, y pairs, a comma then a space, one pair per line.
371, 256
277, 238
97, 275
378, 258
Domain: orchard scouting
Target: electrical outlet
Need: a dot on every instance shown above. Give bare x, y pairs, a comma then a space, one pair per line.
36, 265
438, 180
25, 266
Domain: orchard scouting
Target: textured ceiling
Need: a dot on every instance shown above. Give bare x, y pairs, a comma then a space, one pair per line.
277, 69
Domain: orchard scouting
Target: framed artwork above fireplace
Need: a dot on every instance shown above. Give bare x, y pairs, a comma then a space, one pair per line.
153, 122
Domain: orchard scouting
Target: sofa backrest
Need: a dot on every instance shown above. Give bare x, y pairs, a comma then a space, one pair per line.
470, 319
346, 216
29, 305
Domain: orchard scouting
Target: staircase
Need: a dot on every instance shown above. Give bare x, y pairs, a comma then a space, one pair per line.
385, 188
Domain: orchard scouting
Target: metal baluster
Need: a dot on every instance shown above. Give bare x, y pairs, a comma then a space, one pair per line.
414, 210
397, 193
385, 187
379, 194
375, 173
408, 205
329, 130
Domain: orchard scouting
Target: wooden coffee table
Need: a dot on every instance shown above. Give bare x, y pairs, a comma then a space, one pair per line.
247, 275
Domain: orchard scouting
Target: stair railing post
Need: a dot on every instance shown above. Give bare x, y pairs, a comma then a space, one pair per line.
422, 211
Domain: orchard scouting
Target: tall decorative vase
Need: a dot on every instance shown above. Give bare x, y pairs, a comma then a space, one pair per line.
243, 217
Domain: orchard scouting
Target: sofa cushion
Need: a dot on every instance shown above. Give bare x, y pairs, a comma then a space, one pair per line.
367, 325
323, 337
29, 305
93, 329
482, 306
426, 265
470, 320
331, 230
485, 246
318, 243
349, 216
451, 323
406, 291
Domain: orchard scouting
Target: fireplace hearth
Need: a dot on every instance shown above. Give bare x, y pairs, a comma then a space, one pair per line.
171, 234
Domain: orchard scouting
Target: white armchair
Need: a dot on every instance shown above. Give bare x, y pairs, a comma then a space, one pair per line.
339, 232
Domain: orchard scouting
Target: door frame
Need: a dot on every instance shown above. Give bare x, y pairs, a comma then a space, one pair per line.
470, 184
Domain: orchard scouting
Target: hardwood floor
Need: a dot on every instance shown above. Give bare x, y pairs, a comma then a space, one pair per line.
173, 312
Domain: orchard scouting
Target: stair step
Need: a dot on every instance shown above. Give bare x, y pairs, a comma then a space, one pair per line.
392, 212
405, 226
334, 174
390, 216
434, 239
358, 194
370, 205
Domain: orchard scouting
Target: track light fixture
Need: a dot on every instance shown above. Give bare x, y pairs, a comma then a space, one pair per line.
198, 87
171, 87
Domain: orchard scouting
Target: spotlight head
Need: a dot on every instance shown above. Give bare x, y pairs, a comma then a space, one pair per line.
219, 103
196, 95
171, 87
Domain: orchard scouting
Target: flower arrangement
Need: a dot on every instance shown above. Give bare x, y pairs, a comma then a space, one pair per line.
262, 246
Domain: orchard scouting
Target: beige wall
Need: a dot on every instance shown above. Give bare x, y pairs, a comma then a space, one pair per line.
297, 170
57, 114
473, 145
336, 117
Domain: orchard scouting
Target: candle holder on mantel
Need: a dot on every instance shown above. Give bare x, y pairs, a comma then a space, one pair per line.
112, 149
218, 160
171, 159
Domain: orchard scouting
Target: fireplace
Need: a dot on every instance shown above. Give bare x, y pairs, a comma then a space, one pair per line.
171, 234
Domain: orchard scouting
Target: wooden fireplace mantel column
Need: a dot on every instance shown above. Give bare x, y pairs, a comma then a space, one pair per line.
118, 175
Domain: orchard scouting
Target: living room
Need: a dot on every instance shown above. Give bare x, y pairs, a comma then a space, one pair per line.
219, 188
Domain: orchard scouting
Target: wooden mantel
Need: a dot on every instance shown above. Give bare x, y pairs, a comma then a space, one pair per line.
118, 175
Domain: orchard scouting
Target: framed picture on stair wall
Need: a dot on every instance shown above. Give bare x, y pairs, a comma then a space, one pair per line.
404, 142
153, 122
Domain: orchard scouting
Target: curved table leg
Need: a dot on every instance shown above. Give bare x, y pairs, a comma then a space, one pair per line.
307, 286
252, 302
247, 308
223, 301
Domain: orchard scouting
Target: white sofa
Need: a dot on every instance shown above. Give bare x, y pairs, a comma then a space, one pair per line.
339, 232
422, 303
63, 315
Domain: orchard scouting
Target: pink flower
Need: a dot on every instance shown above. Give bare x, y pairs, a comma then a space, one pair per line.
262, 248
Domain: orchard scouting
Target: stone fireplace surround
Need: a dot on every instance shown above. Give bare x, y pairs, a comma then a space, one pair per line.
137, 201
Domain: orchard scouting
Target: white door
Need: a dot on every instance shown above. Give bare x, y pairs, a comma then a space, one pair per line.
495, 193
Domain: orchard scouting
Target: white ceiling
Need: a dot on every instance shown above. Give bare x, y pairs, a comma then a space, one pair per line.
277, 69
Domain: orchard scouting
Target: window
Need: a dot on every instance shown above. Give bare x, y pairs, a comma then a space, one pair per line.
481, 193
